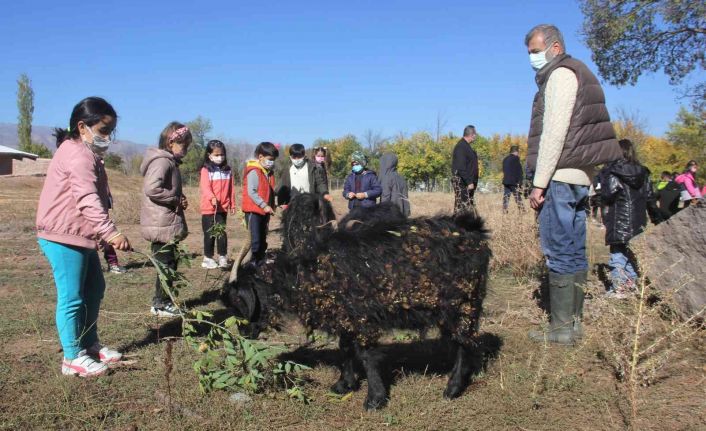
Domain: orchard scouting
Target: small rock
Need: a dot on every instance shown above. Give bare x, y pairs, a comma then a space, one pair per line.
239, 398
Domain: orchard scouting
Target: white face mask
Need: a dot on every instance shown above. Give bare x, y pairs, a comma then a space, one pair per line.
100, 144
267, 164
298, 162
539, 59
217, 159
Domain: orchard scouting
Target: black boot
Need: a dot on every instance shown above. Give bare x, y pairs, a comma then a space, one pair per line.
580, 279
561, 301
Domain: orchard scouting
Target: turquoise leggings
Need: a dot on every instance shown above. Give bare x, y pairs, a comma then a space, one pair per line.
79, 290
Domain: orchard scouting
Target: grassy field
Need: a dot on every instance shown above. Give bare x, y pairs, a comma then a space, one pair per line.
524, 386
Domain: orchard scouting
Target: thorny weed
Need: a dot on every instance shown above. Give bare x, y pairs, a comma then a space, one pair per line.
228, 361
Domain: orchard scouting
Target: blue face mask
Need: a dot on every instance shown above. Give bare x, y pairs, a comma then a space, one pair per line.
539, 60
357, 169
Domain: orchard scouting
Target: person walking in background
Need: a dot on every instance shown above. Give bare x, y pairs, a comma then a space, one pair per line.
394, 187
626, 192
362, 187
217, 199
512, 177
302, 176
259, 198
687, 179
464, 168
570, 133
162, 220
72, 213
668, 193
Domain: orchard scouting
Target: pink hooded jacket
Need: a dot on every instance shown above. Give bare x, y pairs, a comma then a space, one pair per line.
73, 205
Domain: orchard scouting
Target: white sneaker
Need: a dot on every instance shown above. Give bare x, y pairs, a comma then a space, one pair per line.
103, 353
83, 366
222, 262
168, 310
117, 269
209, 263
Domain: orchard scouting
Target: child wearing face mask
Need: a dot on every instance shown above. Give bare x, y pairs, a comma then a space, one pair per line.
362, 187
322, 162
217, 199
72, 215
302, 176
259, 197
162, 220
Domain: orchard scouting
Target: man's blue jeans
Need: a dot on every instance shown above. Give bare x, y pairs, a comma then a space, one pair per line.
562, 227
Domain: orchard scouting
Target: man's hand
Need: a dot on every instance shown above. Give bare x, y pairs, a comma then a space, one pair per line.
184, 203
471, 186
269, 210
351, 195
214, 201
360, 196
328, 197
536, 198
121, 243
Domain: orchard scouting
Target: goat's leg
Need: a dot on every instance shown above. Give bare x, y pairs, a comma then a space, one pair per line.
348, 381
377, 391
460, 375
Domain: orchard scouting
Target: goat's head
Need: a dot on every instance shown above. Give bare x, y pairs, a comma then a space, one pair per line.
251, 296
306, 224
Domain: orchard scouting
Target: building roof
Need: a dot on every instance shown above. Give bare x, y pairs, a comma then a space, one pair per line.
16, 154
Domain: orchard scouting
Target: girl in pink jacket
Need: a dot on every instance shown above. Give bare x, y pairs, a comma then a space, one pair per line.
72, 217
687, 179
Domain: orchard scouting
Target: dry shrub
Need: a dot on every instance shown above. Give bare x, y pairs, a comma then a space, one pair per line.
126, 208
639, 337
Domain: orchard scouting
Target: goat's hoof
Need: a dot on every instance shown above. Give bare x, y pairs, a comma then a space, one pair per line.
373, 403
454, 391
342, 387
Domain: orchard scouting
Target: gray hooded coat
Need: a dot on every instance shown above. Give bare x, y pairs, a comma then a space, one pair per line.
394, 187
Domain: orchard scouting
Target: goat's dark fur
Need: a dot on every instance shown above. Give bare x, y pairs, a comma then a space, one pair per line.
371, 272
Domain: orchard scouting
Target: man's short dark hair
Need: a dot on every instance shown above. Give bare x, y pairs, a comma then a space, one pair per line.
266, 149
469, 130
297, 151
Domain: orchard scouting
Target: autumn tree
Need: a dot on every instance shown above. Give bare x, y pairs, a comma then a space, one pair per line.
629, 38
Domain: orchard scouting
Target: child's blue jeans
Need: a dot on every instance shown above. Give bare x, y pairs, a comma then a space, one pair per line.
622, 270
79, 290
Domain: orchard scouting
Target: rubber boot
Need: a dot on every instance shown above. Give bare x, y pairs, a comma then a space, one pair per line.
561, 301
580, 279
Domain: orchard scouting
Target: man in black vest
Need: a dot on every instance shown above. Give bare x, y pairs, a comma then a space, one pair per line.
570, 133
512, 177
464, 167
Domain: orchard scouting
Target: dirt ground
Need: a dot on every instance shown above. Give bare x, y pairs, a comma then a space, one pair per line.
523, 386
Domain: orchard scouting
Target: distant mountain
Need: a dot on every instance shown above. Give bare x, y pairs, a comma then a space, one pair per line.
43, 135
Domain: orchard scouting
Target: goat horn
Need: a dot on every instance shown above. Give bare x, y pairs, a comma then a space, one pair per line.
239, 259
350, 224
333, 223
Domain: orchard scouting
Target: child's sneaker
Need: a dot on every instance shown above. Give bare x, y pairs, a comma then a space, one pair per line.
103, 353
83, 366
222, 262
168, 310
117, 269
209, 263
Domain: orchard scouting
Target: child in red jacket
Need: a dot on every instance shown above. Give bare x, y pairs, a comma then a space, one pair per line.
259, 197
217, 199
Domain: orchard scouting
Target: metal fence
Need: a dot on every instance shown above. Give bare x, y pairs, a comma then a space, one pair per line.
444, 186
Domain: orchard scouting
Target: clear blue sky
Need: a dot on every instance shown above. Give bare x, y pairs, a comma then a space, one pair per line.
294, 71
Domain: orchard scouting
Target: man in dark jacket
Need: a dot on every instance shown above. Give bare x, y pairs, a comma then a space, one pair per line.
362, 187
394, 187
512, 177
301, 176
464, 168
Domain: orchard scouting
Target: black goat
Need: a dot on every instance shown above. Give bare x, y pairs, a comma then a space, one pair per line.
371, 272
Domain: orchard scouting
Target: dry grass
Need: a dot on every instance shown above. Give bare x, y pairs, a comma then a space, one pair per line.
528, 386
